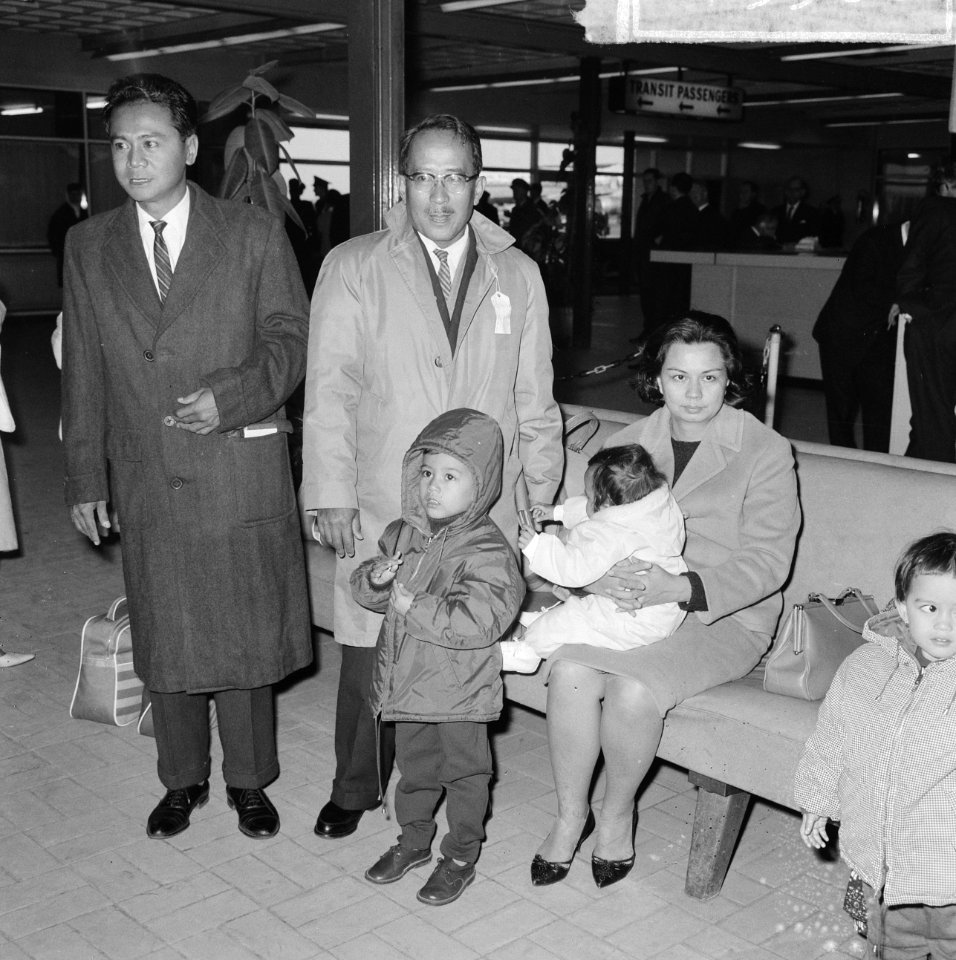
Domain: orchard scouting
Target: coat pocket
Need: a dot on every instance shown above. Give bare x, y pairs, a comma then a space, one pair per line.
124, 451
262, 478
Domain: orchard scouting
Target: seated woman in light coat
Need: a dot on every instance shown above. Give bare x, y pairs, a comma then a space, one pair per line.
735, 483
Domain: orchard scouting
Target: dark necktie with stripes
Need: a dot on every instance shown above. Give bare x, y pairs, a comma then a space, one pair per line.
164, 269
444, 273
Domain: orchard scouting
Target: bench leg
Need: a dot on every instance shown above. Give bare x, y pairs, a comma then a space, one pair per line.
720, 811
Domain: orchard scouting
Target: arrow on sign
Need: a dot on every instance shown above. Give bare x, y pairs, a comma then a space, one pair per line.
686, 106
645, 103
721, 110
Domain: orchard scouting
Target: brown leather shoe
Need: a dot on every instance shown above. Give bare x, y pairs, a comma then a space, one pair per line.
447, 883
257, 816
395, 863
171, 815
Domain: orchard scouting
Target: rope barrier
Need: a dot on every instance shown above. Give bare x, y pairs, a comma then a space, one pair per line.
601, 367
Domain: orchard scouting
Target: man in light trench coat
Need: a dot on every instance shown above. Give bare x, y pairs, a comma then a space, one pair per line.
396, 338
180, 345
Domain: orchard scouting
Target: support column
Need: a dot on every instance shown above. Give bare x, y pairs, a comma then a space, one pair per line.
626, 258
586, 129
376, 108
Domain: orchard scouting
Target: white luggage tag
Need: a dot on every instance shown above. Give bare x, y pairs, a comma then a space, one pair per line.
502, 304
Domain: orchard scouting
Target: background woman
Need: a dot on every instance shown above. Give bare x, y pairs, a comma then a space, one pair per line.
735, 483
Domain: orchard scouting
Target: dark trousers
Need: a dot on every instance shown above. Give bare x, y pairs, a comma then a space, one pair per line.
246, 730
450, 757
864, 386
356, 784
930, 349
910, 931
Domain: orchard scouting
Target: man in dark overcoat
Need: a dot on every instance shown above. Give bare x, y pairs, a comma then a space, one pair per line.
857, 345
926, 294
185, 329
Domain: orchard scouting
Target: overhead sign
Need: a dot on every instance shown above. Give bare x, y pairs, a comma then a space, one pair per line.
701, 100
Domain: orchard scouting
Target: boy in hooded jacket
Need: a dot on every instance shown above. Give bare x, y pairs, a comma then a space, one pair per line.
882, 761
449, 586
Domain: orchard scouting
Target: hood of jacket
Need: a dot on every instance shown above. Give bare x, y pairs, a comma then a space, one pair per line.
474, 439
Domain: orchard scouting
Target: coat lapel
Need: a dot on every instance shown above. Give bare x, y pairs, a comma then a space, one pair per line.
710, 458
199, 257
126, 260
407, 255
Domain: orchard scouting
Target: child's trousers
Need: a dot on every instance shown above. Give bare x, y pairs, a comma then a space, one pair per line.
453, 756
910, 931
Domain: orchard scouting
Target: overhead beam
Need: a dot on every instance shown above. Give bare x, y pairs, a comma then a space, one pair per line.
213, 27
506, 31
308, 11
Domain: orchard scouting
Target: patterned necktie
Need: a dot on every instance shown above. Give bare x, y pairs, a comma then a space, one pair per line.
444, 274
164, 269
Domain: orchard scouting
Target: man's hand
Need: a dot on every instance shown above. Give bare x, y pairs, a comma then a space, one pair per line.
401, 598
339, 528
89, 517
198, 413
633, 584
813, 830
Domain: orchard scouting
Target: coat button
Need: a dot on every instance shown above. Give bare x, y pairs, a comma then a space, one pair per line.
176, 483
438, 362
148, 356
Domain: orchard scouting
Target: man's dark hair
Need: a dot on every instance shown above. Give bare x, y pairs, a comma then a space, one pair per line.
933, 554
944, 172
464, 131
154, 88
623, 474
653, 171
682, 182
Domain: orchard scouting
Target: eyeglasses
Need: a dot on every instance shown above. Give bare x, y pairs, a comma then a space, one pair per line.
454, 183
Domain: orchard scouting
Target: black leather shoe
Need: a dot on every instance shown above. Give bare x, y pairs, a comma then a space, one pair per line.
447, 883
606, 872
171, 815
395, 863
545, 872
257, 816
335, 821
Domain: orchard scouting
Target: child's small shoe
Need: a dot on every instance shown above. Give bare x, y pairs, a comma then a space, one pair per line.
518, 657
447, 882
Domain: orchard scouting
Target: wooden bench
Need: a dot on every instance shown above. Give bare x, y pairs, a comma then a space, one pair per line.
859, 511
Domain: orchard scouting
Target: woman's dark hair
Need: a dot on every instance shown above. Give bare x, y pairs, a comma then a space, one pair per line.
464, 131
694, 327
623, 475
933, 554
154, 88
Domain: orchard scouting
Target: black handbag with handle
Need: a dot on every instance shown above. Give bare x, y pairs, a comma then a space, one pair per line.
814, 640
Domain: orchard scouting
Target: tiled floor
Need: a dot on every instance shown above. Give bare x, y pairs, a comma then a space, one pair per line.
80, 880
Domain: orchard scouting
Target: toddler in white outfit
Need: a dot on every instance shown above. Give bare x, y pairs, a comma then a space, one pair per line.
627, 511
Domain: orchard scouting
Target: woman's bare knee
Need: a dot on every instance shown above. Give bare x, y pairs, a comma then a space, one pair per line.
569, 677
628, 696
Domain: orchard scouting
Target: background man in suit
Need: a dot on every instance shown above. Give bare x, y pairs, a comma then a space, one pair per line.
439, 310
797, 218
926, 293
713, 229
857, 345
70, 212
184, 330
